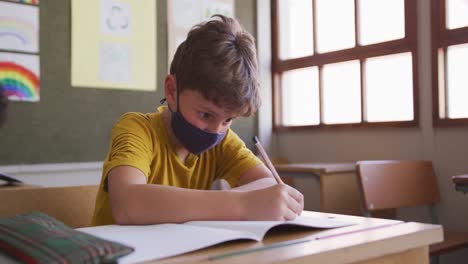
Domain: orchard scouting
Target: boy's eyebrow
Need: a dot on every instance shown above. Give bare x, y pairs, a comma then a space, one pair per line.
211, 112
205, 109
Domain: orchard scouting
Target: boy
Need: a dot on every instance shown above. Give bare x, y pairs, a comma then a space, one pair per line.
160, 166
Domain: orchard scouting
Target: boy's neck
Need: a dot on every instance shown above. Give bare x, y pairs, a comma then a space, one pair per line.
178, 148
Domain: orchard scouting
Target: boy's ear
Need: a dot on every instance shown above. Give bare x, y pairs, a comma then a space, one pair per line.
170, 90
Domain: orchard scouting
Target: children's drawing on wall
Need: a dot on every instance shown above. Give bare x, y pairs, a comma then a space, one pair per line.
115, 63
32, 2
19, 27
116, 18
221, 7
19, 76
114, 44
183, 14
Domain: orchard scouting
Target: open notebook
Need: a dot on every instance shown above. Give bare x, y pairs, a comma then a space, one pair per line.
165, 240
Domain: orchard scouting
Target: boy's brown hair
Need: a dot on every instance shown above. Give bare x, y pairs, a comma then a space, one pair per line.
218, 59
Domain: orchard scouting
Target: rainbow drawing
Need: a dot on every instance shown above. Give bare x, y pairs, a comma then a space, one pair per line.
19, 27
19, 83
21, 30
33, 2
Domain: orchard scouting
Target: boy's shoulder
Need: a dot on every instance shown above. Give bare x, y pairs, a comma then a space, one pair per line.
137, 117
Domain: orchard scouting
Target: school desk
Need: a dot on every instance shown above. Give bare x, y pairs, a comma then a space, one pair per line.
338, 187
371, 241
461, 183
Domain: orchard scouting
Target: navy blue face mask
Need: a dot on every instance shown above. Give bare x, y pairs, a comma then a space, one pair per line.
191, 137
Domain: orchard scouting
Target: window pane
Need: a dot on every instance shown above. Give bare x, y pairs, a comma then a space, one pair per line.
295, 28
441, 82
300, 97
457, 81
335, 25
341, 93
456, 13
381, 21
389, 88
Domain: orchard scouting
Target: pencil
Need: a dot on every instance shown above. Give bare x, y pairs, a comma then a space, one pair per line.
267, 160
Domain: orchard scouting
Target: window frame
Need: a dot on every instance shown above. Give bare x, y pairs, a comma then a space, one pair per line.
443, 38
358, 52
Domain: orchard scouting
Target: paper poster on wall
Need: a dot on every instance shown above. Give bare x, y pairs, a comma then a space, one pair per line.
19, 27
184, 14
19, 76
115, 63
114, 44
116, 18
32, 2
212, 7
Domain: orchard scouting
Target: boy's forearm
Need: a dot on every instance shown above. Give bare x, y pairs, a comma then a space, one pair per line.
255, 185
153, 204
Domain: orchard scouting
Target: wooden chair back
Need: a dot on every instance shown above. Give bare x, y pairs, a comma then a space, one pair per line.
388, 184
396, 184
73, 205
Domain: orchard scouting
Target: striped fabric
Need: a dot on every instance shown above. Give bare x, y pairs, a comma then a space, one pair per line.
38, 238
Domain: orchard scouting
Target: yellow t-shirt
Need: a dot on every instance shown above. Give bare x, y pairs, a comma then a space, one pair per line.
140, 140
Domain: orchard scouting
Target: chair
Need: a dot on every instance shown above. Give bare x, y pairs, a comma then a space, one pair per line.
395, 184
73, 205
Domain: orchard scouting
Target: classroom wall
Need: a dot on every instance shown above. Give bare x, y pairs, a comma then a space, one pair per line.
446, 147
72, 124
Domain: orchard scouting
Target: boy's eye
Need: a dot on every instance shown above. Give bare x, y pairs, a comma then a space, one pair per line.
204, 115
228, 121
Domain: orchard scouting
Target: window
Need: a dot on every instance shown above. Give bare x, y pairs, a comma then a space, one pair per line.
344, 63
450, 61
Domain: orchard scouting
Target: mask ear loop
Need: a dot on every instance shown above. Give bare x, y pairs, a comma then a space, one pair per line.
177, 91
162, 101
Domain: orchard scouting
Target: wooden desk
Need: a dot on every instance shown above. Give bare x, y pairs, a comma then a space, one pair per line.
372, 241
339, 191
461, 183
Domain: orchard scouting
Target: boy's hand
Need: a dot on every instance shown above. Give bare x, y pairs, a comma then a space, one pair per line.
276, 203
